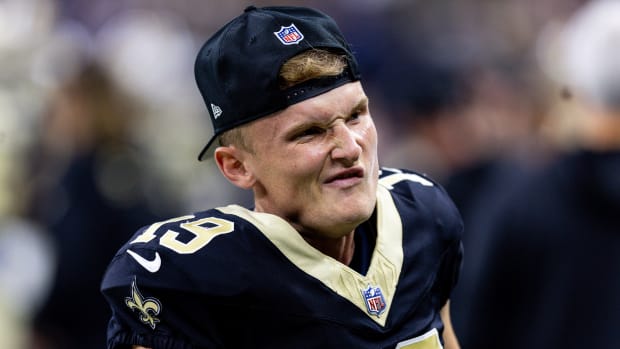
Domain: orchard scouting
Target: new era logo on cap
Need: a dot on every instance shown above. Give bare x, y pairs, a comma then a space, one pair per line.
289, 35
217, 111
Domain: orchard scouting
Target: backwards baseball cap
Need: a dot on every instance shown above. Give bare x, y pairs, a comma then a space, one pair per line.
237, 68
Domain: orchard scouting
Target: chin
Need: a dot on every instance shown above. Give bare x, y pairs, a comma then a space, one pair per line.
365, 204
357, 214
340, 222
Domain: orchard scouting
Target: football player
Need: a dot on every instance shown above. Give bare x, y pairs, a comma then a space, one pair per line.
335, 253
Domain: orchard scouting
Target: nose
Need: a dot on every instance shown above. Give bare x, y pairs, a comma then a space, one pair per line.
346, 148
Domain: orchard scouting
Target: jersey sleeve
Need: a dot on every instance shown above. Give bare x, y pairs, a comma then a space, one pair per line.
143, 312
452, 257
450, 269
167, 286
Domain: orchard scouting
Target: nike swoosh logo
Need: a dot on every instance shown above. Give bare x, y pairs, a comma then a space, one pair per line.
152, 266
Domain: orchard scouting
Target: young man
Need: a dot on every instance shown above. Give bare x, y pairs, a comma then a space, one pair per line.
336, 252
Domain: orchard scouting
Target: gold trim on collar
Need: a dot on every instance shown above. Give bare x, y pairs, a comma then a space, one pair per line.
385, 266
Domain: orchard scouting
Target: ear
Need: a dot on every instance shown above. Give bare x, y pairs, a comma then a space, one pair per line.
231, 163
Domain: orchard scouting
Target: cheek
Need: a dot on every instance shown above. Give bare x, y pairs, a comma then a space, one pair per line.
304, 168
296, 166
369, 136
304, 165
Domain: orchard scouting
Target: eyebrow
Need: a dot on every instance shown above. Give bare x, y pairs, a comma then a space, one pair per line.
363, 103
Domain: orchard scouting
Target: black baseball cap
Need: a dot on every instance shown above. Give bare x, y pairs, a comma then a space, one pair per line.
237, 68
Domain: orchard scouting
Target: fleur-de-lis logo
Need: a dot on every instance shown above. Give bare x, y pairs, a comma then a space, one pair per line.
147, 307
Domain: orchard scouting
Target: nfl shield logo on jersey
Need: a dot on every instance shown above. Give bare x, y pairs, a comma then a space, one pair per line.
289, 35
375, 302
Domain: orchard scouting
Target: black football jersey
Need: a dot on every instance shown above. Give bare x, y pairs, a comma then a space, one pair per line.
234, 278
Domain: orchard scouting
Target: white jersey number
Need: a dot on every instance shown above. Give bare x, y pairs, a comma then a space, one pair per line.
399, 176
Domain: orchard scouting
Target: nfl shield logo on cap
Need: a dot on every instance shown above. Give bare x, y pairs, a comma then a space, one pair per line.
289, 35
375, 302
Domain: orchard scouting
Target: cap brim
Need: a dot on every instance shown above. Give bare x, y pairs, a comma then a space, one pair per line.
209, 149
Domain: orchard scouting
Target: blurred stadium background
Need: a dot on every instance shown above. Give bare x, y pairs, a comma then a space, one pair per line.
101, 124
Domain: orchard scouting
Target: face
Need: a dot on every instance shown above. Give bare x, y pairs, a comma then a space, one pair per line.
315, 163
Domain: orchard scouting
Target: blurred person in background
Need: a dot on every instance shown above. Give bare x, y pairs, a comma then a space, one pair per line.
545, 271
87, 190
467, 111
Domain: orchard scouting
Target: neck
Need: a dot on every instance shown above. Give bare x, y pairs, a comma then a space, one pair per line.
341, 248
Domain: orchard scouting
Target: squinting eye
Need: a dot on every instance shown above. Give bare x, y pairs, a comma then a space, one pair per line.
354, 116
312, 131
